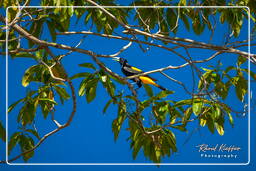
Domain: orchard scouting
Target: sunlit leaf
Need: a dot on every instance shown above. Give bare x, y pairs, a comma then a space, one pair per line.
197, 107
28, 75
219, 128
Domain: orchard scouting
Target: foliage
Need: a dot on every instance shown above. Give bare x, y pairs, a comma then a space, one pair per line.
157, 140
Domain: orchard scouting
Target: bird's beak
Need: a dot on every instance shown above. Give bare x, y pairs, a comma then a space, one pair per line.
116, 59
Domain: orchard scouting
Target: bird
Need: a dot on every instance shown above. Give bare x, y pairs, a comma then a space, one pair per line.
129, 70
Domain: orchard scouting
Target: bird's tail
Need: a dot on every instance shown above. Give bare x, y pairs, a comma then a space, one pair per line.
162, 88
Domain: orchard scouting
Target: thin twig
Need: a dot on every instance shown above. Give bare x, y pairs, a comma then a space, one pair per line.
174, 67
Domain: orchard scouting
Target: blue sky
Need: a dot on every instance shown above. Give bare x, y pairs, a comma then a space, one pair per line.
90, 139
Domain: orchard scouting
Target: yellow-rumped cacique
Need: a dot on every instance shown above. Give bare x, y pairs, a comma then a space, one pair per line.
129, 70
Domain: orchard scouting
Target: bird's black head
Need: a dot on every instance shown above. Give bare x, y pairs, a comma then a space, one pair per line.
122, 61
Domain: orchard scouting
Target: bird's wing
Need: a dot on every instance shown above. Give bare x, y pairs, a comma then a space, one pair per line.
137, 70
131, 70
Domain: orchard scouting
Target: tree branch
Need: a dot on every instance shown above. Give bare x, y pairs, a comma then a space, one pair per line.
59, 126
174, 67
165, 38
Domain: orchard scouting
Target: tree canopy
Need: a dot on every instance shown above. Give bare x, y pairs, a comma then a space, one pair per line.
36, 33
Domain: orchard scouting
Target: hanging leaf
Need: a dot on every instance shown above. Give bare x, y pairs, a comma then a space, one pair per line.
148, 90
219, 128
80, 75
28, 75
210, 124
91, 93
116, 125
52, 30
15, 138
26, 143
62, 92
34, 132
87, 65
241, 87
107, 105
2, 132
12, 106
197, 107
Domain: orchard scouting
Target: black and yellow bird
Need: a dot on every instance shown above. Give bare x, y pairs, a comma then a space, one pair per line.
129, 70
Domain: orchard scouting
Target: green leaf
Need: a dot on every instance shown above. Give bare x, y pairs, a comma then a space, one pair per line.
179, 127
187, 115
62, 92
241, 87
210, 124
36, 29
27, 113
197, 107
216, 112
82, 86
241, 60
2, 132
183, 102
23, 55
79, 12
88, 82
12, 106
34, 132
148, 90
158, 154
87, 65
182, 3
107, 83
202, 121
171, 18
26, 143
229, 68
171, 140
163, 94
219, 128
231, 120
44, 108
107, 105
13, 141
79, 75
91, 93
160, 110
222, 17
137, 146
184, 18
52, 30
48, 100
131, 97
87, 18
116, 125
28, 75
